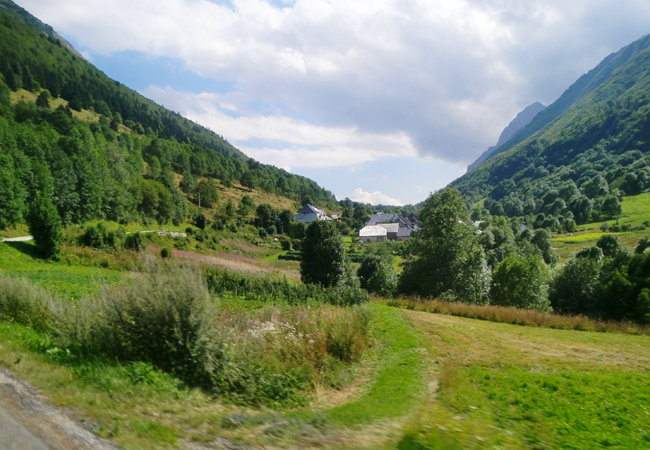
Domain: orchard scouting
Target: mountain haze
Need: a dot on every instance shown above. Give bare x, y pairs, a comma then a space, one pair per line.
585, 85
522, 119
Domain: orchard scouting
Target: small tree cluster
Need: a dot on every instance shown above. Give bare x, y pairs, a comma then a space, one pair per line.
45, 226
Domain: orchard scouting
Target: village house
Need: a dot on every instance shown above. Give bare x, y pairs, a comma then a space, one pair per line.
309, 213
389, 227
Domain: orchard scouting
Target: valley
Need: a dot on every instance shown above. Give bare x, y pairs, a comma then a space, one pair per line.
170, 291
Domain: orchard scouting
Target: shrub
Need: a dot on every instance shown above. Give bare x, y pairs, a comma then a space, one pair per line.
115, 238
165, 253
164, 317
134, 242
45, 226
200, 221
285, 243
267, 289
323, 255
376, 275
94, 236
181, 243
522, 283
25, 303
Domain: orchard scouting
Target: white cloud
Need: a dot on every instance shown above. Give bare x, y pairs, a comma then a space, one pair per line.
374, 198
438, 77
295, 143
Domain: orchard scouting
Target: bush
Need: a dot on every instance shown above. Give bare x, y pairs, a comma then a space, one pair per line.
181, 243
200, 221
164, 317
165, 253
45, 226
522, 283
94, 236
134, 242
285, 243
267, 289
376, 275
323, 255
25, 303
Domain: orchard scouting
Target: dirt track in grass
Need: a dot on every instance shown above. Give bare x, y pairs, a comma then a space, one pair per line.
229, 261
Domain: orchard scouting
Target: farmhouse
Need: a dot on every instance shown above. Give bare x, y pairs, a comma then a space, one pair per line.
309, 213
373, 233
396, 227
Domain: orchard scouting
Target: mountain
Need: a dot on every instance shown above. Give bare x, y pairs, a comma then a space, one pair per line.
522, 119
101, 150
576, 158
585, 85
9, 8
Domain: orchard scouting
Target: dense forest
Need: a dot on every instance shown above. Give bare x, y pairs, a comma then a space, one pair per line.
121, 167
580, 163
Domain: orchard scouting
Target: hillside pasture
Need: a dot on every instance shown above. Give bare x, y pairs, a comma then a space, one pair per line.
511, 387
636, 214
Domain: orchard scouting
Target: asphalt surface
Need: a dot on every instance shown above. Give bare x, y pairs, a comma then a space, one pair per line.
29, 422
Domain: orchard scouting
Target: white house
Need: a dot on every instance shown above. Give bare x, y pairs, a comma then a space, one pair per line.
309, 213
373, 233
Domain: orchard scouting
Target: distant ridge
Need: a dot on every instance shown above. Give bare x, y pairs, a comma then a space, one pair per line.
20, 14
519, 122
589, 147
584, 86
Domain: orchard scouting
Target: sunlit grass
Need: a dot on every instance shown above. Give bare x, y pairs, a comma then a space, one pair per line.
508, 387
515, 316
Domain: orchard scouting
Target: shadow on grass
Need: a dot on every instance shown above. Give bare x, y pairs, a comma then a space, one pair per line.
27, 248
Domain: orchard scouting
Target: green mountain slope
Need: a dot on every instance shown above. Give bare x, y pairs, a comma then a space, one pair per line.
125, 161
580, 164
585, 85
29, 57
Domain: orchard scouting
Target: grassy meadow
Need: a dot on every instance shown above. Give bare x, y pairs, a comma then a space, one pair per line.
636, 214
512, 387
298, 373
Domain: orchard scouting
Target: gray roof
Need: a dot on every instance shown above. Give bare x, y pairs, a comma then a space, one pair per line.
306, 209
391, 227
309, 213
382, 218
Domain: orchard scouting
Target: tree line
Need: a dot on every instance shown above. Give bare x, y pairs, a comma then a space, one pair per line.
497, 262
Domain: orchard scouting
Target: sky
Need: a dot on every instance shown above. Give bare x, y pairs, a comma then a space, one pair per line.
379, 101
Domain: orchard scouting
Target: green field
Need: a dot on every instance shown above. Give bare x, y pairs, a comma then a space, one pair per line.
636, 214
429, 381
512, 387
64, 277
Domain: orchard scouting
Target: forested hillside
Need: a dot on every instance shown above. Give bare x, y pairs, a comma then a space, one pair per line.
580, 164
119, 162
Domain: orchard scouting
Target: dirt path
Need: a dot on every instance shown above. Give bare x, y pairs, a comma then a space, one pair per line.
29, 422
230, 261
18, 239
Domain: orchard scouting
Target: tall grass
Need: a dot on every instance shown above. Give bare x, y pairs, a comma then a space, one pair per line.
166, 316
268, 289
517, 316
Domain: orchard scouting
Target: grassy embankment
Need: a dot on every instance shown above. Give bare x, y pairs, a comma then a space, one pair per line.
142, 407
636, 214
517, 316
